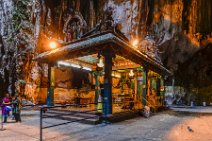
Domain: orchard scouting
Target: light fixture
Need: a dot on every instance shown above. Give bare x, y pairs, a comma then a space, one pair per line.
52, 44
73, 65
87, 68
135, 43
131, 73
100, 64
117, 75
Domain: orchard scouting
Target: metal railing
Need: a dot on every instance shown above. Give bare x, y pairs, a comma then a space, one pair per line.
2, 125
31, 107
24, 107
44, 110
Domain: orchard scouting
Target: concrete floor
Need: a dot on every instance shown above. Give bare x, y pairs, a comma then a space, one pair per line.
164, 126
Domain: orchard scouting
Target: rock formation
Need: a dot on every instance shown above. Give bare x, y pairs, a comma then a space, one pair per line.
174, 32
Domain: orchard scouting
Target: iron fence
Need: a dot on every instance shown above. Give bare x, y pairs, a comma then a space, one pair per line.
63, 113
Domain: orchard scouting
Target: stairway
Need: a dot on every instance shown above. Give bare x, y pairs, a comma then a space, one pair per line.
86, 117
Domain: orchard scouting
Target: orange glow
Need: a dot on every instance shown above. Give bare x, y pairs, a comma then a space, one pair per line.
135, 43
52, 45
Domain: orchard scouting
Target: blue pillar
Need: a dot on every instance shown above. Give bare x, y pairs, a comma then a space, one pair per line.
107, 96
50, 89
97, 86
139, 80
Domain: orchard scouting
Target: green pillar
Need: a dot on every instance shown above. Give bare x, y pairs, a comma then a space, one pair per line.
139, 88
155, 84
122, 84
98, 98
158, 83
145, 86
97, 86
162, 90
50, 89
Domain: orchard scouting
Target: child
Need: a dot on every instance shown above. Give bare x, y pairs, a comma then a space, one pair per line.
5, 107
17, 108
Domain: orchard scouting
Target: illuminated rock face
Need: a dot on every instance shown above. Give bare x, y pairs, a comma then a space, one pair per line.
179, 31
170, 31
173, 27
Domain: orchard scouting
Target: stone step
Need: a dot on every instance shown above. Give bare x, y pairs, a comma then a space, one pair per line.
87, 118
117, 117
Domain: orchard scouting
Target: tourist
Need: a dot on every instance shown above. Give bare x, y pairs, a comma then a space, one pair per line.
5, 107
17, 108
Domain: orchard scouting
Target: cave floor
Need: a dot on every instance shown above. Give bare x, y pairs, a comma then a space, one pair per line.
163, 126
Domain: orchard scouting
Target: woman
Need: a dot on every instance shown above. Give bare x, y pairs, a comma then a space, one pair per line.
17, 108
5, 109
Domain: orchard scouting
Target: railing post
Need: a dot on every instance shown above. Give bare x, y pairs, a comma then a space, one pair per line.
2, 122
41, 124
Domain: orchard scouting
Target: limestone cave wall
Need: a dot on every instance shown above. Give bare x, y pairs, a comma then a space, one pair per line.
175, 32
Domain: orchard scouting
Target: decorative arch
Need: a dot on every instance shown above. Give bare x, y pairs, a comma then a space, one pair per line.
77, 16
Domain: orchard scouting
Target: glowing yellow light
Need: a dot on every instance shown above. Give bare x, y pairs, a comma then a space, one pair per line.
131, 74
135, 43
52, 45
100, 64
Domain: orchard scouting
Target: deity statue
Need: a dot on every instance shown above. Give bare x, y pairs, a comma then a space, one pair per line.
74, 26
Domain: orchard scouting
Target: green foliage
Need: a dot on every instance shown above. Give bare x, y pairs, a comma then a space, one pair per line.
20, 13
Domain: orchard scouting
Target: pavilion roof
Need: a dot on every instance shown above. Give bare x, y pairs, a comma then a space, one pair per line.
100, 42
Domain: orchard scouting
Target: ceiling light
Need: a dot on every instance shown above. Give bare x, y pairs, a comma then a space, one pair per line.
52, 44
73, 65
131, 74
100, 64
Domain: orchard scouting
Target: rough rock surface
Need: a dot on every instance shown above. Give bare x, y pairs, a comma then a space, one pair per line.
171, 31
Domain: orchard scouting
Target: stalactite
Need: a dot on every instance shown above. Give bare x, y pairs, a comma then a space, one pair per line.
6, 8
78, 5
62, 10
193, 17
144, 17
91, 14
37, 13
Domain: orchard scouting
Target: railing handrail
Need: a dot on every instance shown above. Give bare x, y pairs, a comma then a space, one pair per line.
67, 105
44, 107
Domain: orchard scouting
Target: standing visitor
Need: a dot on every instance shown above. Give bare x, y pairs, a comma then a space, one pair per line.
17, 108
5, 107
